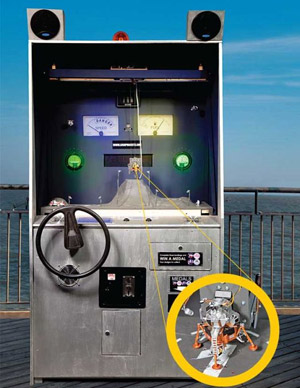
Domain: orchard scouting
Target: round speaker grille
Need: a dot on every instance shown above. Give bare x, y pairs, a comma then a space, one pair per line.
45, 24
206, 25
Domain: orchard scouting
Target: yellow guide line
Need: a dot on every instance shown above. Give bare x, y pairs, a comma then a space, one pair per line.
193, 222
150, 248
136, 169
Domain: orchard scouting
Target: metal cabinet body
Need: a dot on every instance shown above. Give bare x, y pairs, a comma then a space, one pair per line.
71, 335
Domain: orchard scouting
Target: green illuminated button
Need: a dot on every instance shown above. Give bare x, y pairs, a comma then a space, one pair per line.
183, 161
74, 161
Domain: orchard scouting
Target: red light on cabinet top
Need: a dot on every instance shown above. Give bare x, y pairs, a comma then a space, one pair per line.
120, 35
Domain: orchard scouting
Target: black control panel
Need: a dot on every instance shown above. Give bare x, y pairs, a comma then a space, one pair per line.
122, 287
171, 299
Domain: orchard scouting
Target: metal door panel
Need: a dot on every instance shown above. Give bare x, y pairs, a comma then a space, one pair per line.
121, 333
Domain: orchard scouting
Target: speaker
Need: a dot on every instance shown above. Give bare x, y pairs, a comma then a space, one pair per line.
205, 25
46, 24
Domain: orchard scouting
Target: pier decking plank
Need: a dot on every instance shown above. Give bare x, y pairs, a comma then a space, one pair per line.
283, 371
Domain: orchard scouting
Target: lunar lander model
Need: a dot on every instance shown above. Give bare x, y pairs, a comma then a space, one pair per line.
221, 323
122, 135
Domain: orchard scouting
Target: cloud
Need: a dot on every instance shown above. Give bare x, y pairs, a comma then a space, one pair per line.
291, 79
6, 105
288, 44
294, 84
249, 79
252, 99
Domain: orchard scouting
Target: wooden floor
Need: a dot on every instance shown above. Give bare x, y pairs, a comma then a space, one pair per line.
283, 371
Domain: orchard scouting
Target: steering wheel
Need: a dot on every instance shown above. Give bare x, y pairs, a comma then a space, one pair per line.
72, 239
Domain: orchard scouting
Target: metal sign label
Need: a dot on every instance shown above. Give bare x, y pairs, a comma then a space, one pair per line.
124, 144
177, 283
190, 259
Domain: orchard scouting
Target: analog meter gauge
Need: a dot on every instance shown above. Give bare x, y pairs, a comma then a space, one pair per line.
155, 125
182, 161
74, 160
100, 126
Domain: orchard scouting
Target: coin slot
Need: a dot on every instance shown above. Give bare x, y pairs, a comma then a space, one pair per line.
128, 286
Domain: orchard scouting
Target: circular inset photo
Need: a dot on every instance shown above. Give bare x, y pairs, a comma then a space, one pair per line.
222, 330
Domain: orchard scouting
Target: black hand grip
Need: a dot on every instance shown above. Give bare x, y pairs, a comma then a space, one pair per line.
73, 238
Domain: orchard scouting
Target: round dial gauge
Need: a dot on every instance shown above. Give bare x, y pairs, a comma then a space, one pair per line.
74, 160
182, 161
100, 126
155, 125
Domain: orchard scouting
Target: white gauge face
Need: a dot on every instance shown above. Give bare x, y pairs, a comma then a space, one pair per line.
100, 126
155, 125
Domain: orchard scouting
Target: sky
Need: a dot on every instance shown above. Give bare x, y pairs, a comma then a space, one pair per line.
261, 76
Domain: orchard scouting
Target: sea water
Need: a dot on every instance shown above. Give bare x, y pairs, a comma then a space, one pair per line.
240, 250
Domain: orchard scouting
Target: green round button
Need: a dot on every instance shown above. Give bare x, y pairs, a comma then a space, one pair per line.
74, 161
182, 161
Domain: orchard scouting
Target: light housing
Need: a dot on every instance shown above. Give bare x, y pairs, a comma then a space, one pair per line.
120, 35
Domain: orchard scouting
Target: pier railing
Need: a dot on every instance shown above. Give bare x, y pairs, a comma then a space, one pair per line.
264, 242
14, 251
14, 260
